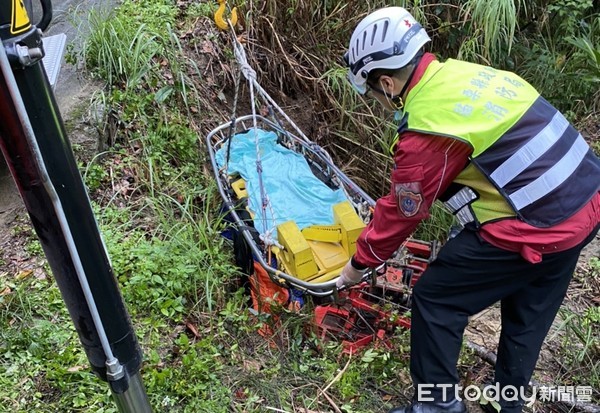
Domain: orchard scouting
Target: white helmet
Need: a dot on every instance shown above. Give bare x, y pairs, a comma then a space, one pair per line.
388, 38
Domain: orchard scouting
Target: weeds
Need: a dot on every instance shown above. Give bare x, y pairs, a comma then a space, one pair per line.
437, 226
495, 23
165, 246
117, 51
558, 55
580, 350
589, 45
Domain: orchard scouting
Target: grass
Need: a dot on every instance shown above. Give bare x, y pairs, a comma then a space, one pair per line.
495, 23
580, 348
437, 226
588, 44
116, 52
158, 212
577, 333
158, 216
557, 55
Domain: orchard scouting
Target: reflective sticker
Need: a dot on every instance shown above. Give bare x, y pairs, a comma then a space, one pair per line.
409, 198
553, 177
531, 151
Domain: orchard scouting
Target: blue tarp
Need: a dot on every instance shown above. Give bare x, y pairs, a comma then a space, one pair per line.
293, 192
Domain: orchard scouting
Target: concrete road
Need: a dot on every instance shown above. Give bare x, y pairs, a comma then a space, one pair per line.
69, 85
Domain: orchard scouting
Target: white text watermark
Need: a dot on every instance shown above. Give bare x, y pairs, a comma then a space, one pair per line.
493, 392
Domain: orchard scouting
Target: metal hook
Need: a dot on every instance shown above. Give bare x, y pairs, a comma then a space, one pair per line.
220, 21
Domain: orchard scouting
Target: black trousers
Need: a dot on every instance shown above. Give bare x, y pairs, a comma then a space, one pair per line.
468, 276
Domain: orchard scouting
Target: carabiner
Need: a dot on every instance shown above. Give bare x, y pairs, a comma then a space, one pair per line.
220, 21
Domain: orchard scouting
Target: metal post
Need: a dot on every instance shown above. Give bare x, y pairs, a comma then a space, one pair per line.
34, 143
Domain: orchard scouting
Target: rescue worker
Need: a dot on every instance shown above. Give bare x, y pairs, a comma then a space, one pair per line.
520, 179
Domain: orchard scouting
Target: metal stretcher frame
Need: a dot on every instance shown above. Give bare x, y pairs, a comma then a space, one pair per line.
316, 156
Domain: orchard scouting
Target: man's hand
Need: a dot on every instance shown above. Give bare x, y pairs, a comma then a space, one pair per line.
349, 275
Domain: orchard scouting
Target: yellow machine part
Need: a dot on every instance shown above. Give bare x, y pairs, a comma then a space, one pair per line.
296, 256
329, 255
327, 276
351, 224
324, 233
239, 187
319, 252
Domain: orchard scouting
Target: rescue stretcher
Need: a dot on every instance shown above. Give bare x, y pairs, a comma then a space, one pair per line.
292, 257
308, 261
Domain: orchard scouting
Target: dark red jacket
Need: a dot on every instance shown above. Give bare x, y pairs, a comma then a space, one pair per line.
425, 166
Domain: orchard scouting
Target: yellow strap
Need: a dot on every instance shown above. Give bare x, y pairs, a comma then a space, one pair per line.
323, 233
393, 145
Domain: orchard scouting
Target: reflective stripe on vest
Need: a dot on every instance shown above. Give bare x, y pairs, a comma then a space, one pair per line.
552, 178
536, 160
531, 151
542, 166
459, 205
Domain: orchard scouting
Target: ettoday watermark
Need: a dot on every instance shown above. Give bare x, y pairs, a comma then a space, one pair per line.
496, 393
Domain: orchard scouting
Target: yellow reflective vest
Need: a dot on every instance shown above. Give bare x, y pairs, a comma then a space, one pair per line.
527, 160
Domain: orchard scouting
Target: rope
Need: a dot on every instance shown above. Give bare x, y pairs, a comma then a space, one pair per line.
233, 119
250, 74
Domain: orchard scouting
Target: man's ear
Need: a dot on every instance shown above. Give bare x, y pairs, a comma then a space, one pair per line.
386, 83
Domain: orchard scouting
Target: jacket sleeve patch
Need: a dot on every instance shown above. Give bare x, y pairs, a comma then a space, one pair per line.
406, 188
409, 198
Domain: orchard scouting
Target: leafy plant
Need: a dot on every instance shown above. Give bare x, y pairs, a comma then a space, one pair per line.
580, 351
595, 267
569, 14
94, 176
437, 226
118, 51
589, 45
201, 345
494, 23
556, 54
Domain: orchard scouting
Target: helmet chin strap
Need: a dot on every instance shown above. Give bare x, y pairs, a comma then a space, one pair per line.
396, 100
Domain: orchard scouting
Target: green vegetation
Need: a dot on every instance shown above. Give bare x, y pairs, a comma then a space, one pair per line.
553, 45
167, 73
159, 217
579, 351
581, 347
